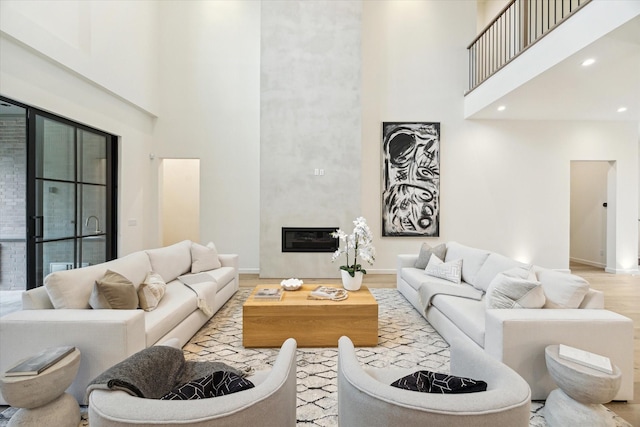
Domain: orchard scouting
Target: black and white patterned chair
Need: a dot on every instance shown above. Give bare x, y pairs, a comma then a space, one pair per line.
366, 397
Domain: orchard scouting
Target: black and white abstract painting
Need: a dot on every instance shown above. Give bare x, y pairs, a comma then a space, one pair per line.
411, 179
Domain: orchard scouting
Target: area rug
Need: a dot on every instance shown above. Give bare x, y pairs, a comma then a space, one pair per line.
406, 340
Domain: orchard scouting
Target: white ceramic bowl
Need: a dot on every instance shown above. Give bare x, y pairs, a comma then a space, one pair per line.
291, 284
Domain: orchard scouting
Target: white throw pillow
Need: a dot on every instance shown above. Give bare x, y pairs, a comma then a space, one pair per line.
473, 260
562, 290
515, 288
451, 271
171, 261
204, 258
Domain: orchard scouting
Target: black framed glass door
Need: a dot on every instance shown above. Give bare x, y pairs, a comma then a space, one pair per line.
71, 196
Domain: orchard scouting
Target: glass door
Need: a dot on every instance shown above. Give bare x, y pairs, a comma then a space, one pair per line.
70, 175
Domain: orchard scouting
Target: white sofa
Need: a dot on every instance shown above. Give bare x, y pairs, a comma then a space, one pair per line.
518, 337
59, 313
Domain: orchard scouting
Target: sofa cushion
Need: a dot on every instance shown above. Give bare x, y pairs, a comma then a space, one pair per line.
494, 264
414, 276
450, 271
113, 291
472, 259
425, 253
151, 291
204, 258
72, 288
507, 291
222, 276
562, 290
171, 261
467, 314
177, 304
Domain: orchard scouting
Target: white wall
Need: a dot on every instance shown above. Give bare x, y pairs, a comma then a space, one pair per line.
54, 56
505, 185
210, 109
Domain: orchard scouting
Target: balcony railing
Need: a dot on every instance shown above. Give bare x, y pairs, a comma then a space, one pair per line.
516, 28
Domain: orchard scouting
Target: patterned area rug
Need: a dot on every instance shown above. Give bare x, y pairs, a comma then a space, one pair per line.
406, 340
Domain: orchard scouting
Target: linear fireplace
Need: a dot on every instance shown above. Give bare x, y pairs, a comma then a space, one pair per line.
309, 239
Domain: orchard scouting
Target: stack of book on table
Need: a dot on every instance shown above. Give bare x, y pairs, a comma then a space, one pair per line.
268, 294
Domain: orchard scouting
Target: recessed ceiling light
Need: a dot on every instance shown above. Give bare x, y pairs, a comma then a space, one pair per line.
588, 62
622, 109
502, 108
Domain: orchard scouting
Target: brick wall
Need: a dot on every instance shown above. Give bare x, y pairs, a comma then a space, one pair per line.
13, 188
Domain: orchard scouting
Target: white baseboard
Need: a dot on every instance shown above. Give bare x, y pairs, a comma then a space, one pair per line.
588, 262
249, 270
630, 271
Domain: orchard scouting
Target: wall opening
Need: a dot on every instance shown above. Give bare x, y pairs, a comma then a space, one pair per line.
592, 218
180, 200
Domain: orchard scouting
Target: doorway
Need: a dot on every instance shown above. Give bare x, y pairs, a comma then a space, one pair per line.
180, 200
592, 220
62, 204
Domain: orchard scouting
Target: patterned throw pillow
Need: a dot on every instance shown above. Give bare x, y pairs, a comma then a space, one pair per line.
514, 292
434, 382
451, 271
425, 254
217, 384
151, 291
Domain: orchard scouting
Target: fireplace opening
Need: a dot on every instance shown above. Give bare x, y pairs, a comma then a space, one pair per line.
309, 239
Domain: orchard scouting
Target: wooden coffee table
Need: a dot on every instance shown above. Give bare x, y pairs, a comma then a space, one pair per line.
313, 323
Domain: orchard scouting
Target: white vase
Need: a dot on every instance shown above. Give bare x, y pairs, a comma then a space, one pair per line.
351, 283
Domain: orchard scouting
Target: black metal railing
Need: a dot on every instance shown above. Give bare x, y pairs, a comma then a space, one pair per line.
519, 25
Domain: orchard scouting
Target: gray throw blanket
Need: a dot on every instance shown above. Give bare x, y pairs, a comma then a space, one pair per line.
431, 289
155, 371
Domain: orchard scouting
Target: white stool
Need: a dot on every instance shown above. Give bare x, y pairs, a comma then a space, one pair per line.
42, 397
582, 391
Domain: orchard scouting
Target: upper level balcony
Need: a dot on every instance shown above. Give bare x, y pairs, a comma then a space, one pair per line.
529, 61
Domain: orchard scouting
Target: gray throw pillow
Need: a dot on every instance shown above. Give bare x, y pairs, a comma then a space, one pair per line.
425, 254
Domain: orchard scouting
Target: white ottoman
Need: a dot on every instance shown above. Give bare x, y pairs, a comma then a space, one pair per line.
582, 391
42, 397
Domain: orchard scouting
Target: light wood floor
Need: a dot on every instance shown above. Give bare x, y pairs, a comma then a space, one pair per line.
622, 295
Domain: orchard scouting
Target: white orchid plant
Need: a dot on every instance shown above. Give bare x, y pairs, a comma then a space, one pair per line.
359, 243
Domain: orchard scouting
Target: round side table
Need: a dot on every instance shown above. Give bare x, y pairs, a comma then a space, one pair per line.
582, 390
42, 397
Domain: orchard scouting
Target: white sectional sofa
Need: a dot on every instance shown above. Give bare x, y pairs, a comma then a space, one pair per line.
573, 314
59, 313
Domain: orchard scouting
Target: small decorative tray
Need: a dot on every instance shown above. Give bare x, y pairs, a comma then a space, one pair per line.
291, 284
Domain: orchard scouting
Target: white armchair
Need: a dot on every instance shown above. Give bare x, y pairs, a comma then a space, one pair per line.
272, 402
366, 398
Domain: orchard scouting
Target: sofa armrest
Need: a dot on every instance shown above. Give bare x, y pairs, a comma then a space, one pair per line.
104, 338
518, 338
229, 260
404, 260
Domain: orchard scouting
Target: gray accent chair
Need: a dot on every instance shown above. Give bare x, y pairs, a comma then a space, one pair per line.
366, 398
272, 402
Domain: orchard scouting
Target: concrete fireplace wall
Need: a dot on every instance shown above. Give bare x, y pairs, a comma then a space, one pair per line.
310, 137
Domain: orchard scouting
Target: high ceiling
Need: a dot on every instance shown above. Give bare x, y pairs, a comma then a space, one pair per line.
571, 91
